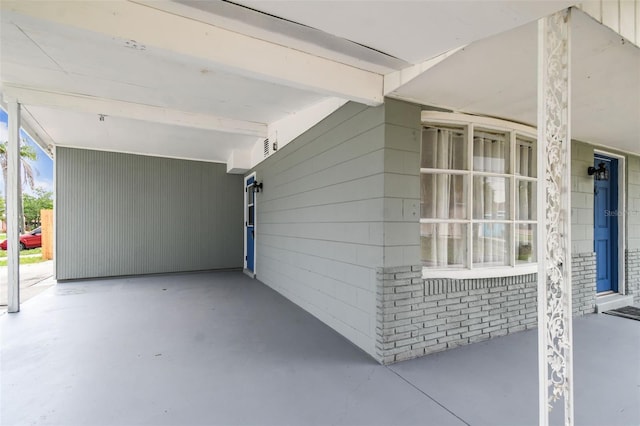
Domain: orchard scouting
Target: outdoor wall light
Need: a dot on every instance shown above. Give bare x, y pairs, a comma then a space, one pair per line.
601, 173
257, 186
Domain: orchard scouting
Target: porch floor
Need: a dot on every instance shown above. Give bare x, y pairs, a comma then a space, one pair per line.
221, 348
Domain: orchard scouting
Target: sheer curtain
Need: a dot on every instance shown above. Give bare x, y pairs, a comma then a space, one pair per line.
490, 198
443, 197
526, 202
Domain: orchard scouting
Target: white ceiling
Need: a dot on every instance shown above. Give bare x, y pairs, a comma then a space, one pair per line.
168, 62
497, 77
76, 129
411, 30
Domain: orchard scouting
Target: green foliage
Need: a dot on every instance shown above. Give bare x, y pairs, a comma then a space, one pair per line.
3, 209
32, 205
27, 153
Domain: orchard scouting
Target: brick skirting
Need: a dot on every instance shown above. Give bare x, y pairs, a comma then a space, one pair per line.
419, 316
632, 274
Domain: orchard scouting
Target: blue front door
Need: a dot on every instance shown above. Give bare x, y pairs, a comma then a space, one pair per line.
605, 226
250, 210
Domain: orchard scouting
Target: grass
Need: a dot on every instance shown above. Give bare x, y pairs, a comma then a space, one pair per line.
37, 250
25, 260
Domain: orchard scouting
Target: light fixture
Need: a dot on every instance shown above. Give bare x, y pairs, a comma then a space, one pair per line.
601, 173
101, 117
257, 186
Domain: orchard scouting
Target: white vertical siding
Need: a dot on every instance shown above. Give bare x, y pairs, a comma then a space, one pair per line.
622, 16
123, 214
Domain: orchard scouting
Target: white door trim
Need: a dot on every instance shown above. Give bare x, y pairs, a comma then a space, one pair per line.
244, 225
622, 213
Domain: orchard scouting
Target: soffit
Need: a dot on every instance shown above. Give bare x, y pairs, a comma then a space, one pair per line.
498, 77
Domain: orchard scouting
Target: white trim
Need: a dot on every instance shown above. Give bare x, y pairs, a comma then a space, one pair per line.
32, 127
120, 151
485, 123
395, 80
244, 224
55, 215
622, 207
14, 196
469, 124
286, 129
130, 110
484, 272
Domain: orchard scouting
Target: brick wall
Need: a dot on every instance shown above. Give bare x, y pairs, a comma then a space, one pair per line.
583, 281
632, 274
419, 316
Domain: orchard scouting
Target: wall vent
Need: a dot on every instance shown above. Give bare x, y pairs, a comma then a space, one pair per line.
266, 148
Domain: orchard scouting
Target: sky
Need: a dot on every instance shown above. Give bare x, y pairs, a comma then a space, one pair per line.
42, 167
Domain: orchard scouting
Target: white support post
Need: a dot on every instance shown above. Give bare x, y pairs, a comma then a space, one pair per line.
555, 357
13, 207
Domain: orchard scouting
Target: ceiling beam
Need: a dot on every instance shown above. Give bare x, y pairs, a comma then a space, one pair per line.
145, 27
395, 80
30, 125
115, 108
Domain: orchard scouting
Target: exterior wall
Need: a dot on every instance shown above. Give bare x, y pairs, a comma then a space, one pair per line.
583, 283
582, 225
632, 273
633, 203
403, 135
123, 214
323, 218
419, 316
422, 316
338, 234
632, 254
583, 258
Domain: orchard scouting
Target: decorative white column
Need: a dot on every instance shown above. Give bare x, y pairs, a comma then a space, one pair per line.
13, 207
555, 357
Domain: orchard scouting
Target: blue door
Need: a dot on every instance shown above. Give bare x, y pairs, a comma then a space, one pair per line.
249, 223
605, 226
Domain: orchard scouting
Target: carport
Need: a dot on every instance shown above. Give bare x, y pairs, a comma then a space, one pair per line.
156, 111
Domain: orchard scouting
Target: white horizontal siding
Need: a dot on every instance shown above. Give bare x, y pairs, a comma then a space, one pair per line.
321, 231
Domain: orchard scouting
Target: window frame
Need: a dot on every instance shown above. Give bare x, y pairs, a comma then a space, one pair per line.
468, 124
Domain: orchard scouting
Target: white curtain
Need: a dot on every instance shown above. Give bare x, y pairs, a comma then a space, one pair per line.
444, 241
524, 188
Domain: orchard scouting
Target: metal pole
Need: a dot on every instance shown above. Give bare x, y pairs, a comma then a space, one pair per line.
13, 206
555, 356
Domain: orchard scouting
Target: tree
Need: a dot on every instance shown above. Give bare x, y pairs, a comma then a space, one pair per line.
33, 204
27, 152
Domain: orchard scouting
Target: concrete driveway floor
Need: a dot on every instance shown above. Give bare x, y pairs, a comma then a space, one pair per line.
34, 279
223, 349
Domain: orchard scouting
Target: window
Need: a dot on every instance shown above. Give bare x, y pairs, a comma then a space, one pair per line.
478, 192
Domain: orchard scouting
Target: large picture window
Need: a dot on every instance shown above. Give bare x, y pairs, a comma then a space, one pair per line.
478, 193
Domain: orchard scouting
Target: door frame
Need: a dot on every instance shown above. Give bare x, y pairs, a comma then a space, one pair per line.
244, 225
622, 213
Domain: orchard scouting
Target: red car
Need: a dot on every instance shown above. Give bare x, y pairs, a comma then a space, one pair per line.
27, 241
